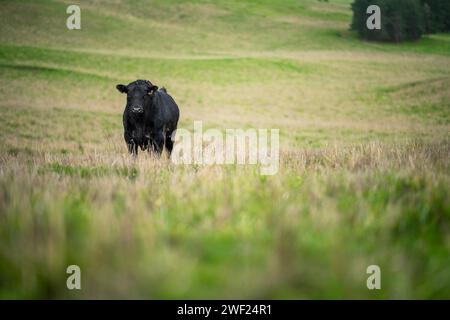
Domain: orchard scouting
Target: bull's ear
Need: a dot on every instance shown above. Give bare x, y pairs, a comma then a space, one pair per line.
152, 89
122, 88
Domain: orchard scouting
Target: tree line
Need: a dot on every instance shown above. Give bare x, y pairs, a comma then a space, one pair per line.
402, 20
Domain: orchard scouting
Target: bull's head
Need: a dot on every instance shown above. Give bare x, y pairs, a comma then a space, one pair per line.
138, 93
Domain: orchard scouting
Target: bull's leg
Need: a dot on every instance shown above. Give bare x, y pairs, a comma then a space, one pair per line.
132, 148
169, 142
158, 142
131, 145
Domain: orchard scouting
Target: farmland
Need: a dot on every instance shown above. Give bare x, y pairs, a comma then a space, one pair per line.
364, 156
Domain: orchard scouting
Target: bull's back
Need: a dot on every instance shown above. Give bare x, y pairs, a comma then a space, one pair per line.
168, 110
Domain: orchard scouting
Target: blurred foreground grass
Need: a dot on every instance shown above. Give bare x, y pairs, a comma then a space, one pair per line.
149, 229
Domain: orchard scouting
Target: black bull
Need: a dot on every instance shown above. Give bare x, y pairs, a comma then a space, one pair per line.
150, 117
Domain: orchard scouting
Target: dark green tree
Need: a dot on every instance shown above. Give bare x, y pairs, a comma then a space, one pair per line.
437, 15
401, 20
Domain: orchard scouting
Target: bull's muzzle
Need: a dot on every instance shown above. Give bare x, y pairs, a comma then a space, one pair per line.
137, 109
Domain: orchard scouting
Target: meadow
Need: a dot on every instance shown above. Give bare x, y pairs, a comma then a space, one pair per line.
364, 162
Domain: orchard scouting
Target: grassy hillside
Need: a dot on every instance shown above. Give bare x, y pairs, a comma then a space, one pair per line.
364, 166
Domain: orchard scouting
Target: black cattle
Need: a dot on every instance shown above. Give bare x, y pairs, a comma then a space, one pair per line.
150, 117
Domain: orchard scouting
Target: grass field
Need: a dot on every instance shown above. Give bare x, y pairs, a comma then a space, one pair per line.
364, 166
